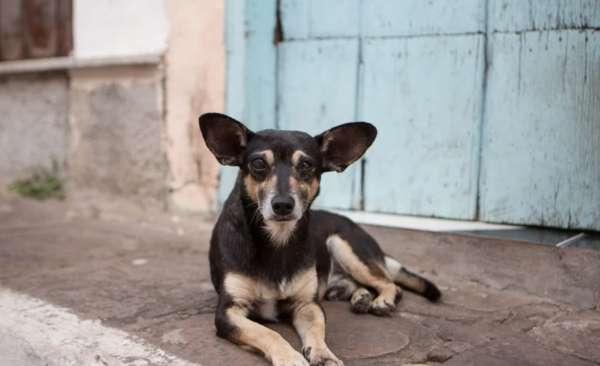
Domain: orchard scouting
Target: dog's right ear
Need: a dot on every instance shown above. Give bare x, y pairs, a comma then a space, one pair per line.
225, 137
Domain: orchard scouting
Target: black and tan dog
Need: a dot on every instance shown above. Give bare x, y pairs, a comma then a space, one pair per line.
273, 258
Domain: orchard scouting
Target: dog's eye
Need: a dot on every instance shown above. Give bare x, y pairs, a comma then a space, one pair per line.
305, 165
258, 164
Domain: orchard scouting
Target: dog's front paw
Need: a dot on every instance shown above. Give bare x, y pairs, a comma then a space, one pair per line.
382, 307
289, 358
321, 357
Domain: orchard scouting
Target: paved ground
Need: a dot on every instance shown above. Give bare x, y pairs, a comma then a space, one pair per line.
121, 278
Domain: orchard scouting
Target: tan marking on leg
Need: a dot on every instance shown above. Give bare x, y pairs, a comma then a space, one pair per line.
270, 343
303, 287
309, 321
242, 289
374, 276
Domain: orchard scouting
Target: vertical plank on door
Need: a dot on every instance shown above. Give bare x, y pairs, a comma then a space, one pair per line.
252, 42
390, 18
11, 30
423, 94
317, 90
529, 15
41, 31
541, 147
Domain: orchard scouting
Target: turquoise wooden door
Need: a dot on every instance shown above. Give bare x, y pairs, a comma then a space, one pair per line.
541, 132
481, 115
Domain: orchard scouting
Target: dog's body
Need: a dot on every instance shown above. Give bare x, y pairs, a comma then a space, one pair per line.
273, 258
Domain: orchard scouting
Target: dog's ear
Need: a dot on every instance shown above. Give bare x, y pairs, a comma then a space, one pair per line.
345, 144
225, 137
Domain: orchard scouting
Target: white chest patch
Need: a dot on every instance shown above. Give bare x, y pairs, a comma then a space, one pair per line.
280, 232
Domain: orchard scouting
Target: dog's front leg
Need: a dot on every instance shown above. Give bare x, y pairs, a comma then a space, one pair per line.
309, 321
232, 324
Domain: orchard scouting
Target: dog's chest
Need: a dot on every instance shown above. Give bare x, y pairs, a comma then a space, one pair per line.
266, 307
263, 300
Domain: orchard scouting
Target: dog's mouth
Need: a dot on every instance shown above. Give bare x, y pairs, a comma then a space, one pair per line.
283, 218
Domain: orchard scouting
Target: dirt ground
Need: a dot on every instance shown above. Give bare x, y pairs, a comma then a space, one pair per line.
504, 302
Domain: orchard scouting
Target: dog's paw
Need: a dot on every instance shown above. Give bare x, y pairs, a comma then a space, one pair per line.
337, 293
382, 307
321, 357
289, 358
361, 301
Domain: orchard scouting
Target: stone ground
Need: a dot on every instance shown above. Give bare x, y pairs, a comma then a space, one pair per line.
504, 302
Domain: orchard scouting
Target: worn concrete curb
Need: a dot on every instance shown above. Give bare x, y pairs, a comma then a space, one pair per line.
34, 332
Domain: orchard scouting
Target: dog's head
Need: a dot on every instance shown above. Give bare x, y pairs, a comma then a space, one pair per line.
282, 169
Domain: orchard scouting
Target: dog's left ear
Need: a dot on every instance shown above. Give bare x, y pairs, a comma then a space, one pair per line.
225, 137
345, 144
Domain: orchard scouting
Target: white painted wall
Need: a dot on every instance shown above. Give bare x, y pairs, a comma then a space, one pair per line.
112, 28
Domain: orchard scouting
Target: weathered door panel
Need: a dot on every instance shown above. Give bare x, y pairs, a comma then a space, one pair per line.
393, 18
536, 15
541, 148
317, 90
417, 70
424, 96
318, 19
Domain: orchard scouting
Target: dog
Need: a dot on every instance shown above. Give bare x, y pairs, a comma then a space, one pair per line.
273, 258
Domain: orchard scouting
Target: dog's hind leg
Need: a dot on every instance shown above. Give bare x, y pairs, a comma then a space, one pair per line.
411, 281
370, 273
340, 286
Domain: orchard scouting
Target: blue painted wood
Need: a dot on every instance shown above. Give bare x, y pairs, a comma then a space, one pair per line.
528, 15
295, 19
317, 91
310, 19
423, 94
261, 65
392, 18
252, 71
334, 18
420, 80
541, 147
236, 93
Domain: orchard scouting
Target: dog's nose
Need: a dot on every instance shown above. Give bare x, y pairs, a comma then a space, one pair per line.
283, 205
